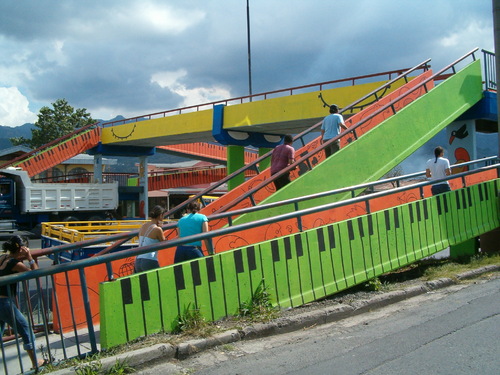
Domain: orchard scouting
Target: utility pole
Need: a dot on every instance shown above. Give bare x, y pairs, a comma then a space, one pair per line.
249, 54
496, 32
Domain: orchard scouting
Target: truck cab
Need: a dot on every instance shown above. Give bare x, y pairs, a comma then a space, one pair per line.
7, 205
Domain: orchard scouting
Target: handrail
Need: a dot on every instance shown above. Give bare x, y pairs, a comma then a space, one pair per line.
350, 130
50, 144
242, 99
404, 75
260, 159
300, 136
490, 74
107, 258
125, 236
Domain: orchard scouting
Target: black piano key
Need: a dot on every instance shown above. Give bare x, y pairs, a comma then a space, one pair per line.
275, 251
288, 248
195, 271
252, 264
210, 269
360, 226
331, 236
350, 230
238, 261
126, 286
144, 286
298, 245
457, 199
370, 225
396, 218
387, 220
179, 278
321, 240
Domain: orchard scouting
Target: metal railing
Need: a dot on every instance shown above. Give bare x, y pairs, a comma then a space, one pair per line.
88, 340
350, 132
490, 73
45, 147
262, 96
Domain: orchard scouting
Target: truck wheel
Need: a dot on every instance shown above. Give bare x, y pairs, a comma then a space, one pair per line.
99, 226
70, 218
96, 218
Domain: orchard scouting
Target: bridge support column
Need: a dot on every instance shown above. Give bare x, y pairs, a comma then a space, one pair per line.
97, 168
490, 242
143, 181
266, 163
464, 249
235, 161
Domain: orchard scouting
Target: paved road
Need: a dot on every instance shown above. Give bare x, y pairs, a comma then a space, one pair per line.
451, 331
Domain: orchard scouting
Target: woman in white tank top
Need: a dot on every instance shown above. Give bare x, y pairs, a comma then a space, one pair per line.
150, 233
438, 168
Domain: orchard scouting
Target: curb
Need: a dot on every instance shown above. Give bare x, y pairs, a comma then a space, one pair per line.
162, 352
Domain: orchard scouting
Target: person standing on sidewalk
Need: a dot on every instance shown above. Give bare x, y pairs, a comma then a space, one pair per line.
282, 156
12, 261
330, 128
438, 168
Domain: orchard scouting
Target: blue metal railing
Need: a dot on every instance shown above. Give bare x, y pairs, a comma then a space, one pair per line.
88, 339
82, 345
490, 73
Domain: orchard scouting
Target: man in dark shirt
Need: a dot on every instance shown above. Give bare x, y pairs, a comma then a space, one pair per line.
283, 155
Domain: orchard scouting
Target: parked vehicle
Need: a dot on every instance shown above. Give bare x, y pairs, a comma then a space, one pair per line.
24, 204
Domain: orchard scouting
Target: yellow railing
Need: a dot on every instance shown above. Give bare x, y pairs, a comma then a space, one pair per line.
75, 231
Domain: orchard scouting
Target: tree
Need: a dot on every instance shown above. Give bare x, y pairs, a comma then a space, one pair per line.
54, 123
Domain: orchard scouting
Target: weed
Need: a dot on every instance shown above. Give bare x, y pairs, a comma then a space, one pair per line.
120, 368
192, 322
450, 269
88, 368
260, 307
374, 285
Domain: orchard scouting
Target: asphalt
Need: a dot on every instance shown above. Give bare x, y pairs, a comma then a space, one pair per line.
154, 354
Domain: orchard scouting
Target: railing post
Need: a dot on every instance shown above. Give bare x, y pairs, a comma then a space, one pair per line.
88, 313
299, 218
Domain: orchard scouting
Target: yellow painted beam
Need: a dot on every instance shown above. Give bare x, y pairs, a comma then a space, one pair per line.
276, 115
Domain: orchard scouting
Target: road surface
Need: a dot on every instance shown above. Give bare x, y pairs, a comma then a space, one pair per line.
450, 331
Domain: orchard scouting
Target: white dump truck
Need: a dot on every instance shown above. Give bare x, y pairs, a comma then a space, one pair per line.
24, 204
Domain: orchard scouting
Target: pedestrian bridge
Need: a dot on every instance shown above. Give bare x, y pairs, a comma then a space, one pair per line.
319, 235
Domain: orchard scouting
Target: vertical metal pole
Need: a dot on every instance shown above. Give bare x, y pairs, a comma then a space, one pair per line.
88, 313
496, 28
249, 54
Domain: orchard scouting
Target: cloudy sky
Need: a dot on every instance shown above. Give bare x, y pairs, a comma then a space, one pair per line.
134, 57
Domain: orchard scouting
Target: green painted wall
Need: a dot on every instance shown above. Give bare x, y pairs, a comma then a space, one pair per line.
299, 268
384, 147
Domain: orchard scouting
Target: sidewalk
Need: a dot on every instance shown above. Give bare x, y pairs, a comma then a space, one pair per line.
317, 316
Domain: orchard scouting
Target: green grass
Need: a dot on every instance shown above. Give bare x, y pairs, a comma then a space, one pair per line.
451, 268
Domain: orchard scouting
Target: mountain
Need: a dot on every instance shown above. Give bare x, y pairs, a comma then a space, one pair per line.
7, 132
487, 145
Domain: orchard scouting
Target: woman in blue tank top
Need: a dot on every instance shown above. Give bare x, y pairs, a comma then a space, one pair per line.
191, 223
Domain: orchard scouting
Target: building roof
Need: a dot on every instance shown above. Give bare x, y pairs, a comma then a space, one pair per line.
14, 151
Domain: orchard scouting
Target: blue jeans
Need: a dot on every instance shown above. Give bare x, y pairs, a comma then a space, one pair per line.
187, 252
440, 188
142, 265
7, 307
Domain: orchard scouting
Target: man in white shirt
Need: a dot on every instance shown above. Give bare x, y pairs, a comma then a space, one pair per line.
330, 128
